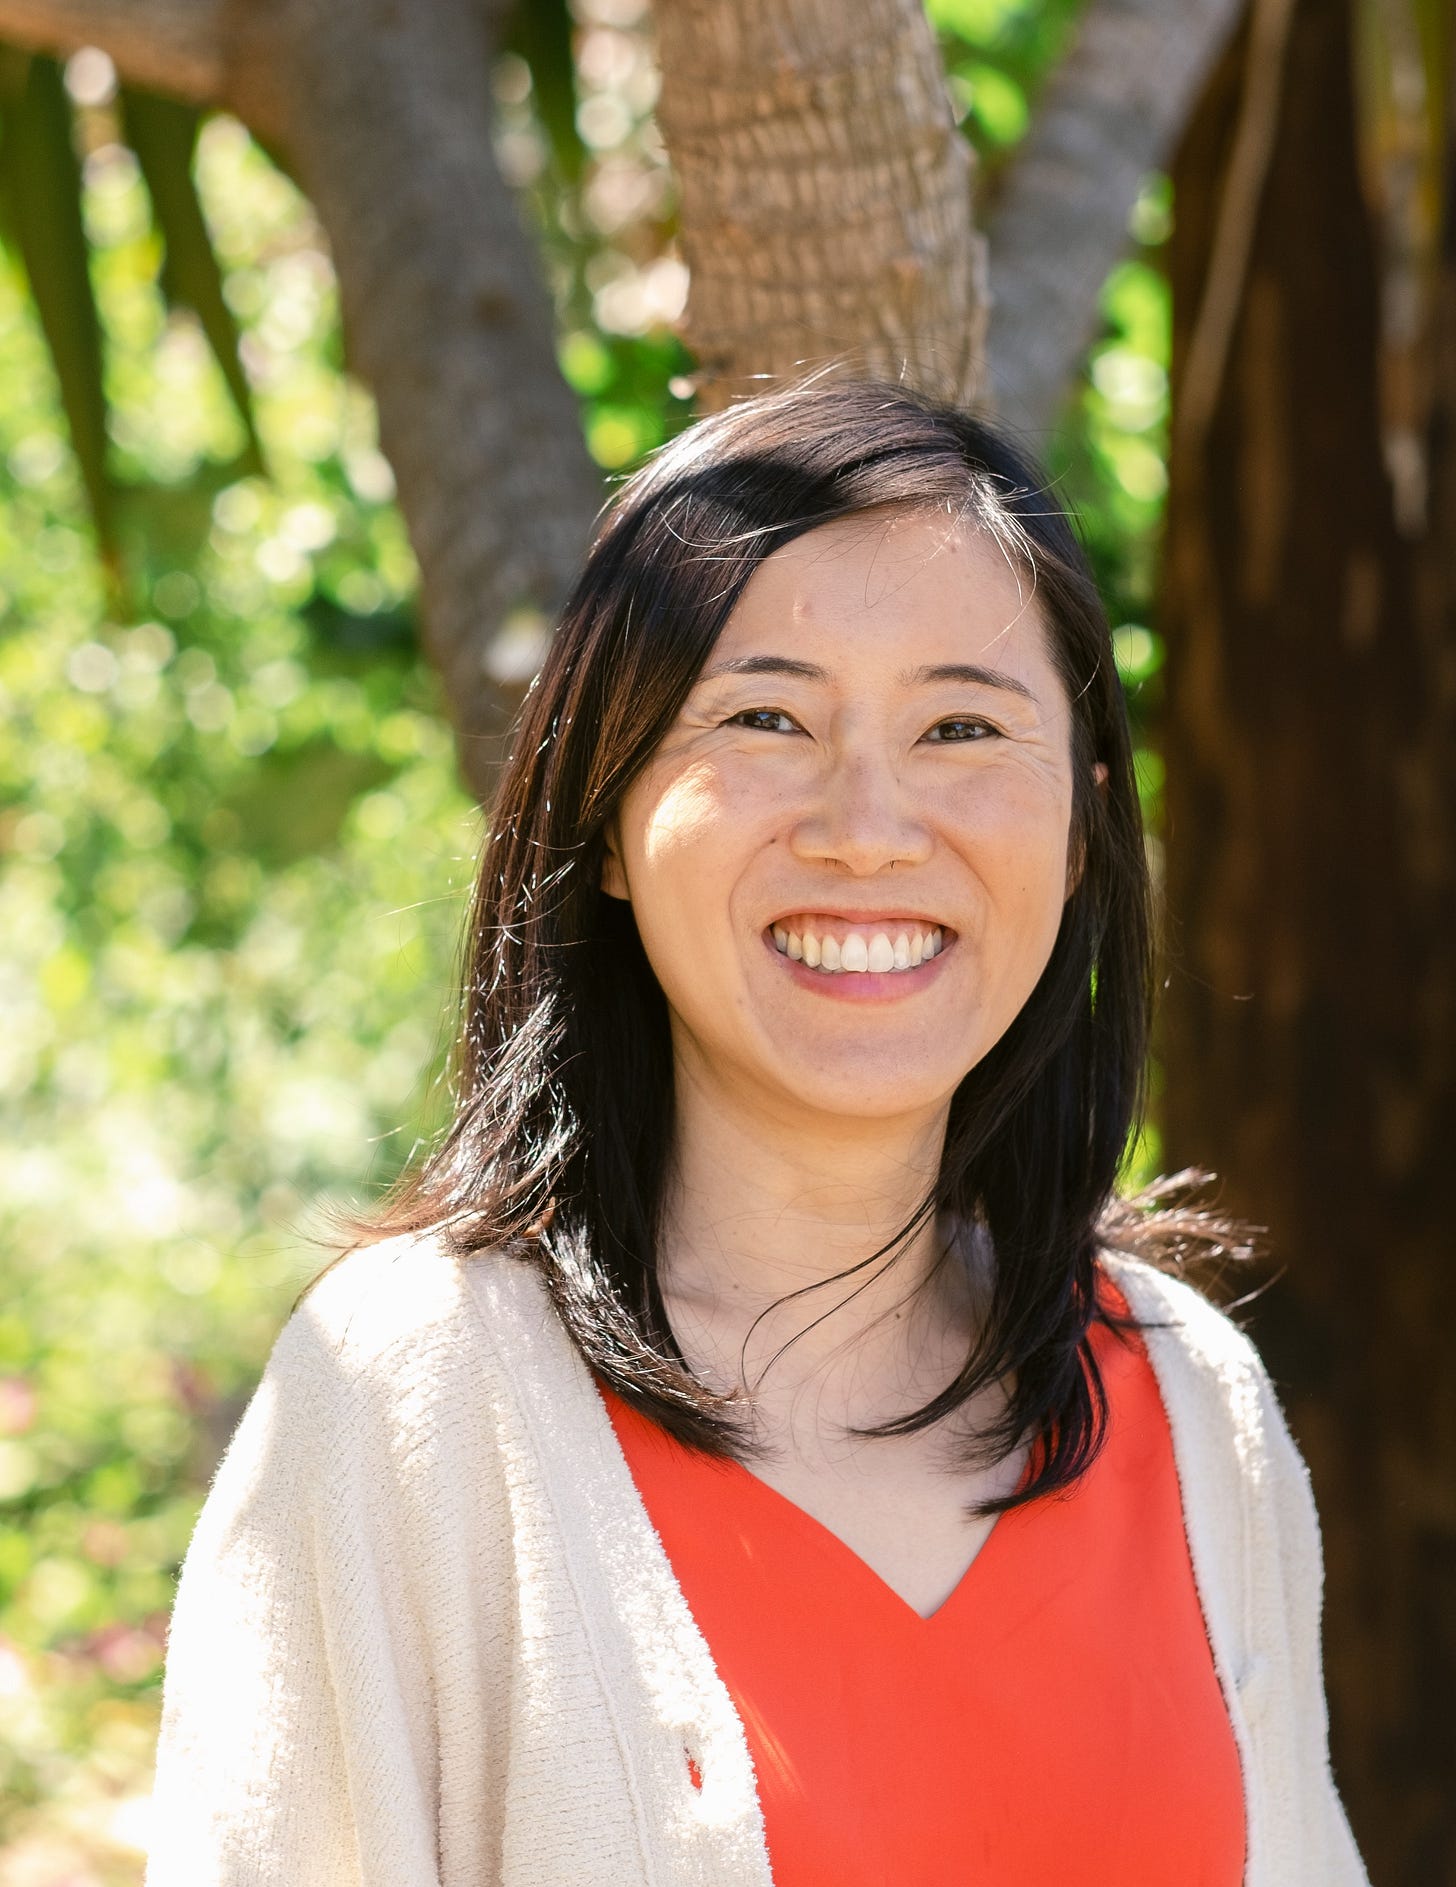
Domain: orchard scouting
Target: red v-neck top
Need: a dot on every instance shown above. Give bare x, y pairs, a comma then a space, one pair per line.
1058, 1719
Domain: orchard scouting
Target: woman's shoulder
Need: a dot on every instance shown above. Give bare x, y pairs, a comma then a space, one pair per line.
1215, 1386
1200, 1330
406, 1316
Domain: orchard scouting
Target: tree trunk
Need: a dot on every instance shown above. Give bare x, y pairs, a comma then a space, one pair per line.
1309, 1027
384, 112
826, 201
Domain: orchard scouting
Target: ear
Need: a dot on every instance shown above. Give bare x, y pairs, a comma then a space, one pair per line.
614, 876
1076, 865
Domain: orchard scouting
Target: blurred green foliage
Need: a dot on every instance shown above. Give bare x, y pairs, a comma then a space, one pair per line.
234, 855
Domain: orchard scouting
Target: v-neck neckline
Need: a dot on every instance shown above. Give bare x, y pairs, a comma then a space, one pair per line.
816, 1529
635, 1612
824, 1534
838, 1547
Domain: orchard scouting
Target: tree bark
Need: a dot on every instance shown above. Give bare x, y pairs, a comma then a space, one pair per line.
1110, 114
170, 46
384, 113
826, 201
1309, 1027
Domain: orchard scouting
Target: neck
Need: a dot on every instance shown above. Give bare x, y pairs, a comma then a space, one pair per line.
765, 1200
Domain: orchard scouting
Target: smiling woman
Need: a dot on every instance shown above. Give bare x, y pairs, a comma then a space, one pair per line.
617, 1508
787, 812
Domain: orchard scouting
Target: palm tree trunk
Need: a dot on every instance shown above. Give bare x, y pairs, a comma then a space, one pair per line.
826, 202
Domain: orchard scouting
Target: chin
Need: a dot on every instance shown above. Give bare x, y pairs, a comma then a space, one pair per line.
854, 1092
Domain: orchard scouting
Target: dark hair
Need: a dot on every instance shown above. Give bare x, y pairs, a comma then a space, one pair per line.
558, 1153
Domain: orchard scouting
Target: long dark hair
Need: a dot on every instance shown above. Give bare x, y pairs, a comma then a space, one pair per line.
558, 1153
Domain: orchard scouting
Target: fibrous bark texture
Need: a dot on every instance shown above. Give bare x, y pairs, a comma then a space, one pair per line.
1110, 114
384, 113
1309, 1028
826, 199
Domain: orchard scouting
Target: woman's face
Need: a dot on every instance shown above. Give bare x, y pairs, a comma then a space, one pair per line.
873, 772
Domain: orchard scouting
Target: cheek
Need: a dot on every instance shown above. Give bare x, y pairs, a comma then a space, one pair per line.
686, 840
682, 827
693, 819
1014, 828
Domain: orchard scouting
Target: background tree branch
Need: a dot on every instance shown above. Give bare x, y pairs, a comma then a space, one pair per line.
384, 113
166, 45
1110, 114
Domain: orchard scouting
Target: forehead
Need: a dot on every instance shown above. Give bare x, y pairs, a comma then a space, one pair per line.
896, 584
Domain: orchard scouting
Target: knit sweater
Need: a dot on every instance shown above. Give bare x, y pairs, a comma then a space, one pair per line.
425, 1634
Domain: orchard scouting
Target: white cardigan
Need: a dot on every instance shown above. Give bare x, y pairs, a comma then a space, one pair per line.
425, 1634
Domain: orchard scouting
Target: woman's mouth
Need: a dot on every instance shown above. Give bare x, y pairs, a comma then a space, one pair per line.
835, 947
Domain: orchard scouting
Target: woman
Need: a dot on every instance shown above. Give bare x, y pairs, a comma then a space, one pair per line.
756, 1445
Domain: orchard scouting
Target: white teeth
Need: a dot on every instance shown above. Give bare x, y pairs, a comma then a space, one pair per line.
878, 953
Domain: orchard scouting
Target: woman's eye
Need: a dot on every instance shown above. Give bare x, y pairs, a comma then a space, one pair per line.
758, 719
966, 729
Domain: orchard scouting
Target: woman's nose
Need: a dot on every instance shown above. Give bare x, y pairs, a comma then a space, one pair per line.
862, 816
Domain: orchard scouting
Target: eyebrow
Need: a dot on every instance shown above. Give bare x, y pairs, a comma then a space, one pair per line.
971, 672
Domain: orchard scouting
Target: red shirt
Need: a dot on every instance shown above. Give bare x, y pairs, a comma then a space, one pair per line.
1056, 1723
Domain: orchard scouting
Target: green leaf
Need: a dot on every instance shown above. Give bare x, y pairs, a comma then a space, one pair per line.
163, 133
999, 104
979, 22
586, 362
40, 178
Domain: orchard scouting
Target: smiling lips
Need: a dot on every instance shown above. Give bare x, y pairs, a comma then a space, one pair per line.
835, 946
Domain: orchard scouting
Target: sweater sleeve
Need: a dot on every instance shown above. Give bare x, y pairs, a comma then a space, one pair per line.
1302, 1565
296, 1744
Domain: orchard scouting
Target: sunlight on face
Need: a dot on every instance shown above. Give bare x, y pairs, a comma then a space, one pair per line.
876, 757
